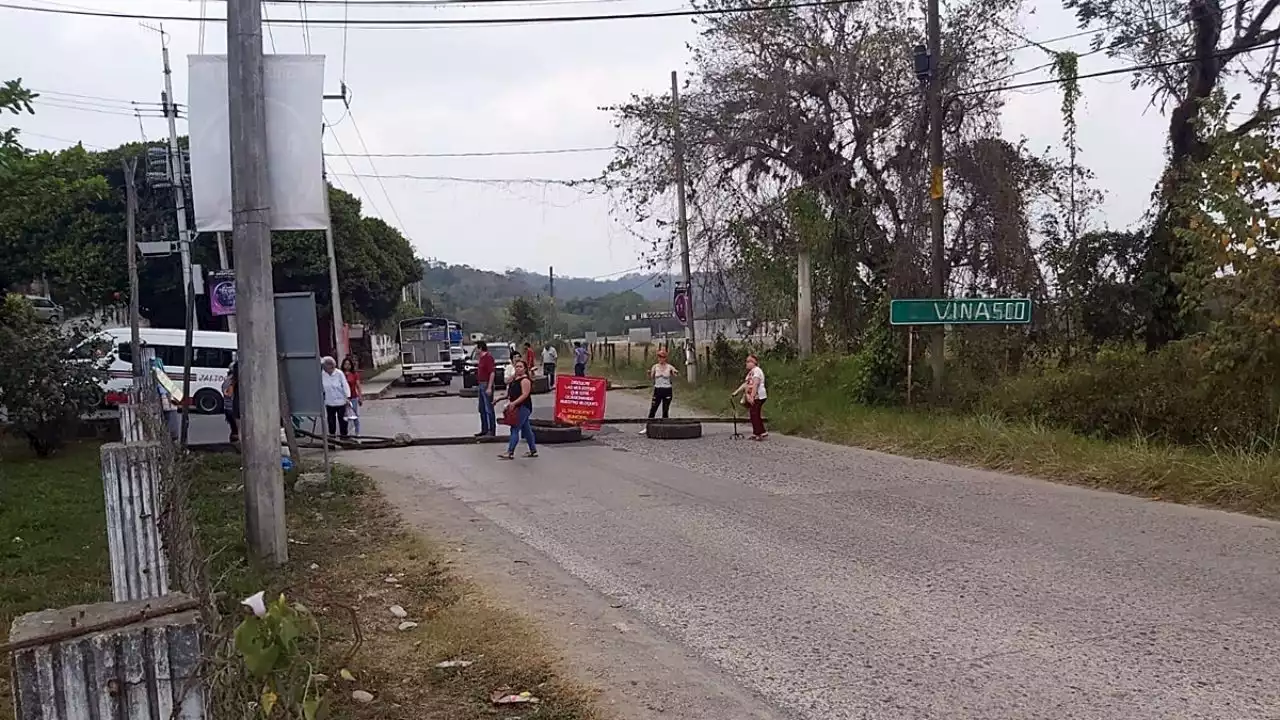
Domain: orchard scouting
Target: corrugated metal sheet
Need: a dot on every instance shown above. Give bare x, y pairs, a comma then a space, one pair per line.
148, 670
131, 486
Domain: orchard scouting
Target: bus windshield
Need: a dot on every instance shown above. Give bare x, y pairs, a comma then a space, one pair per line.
424, 330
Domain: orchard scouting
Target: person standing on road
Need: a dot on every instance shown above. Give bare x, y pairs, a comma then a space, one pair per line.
579, 359
549, 359
231, 402
353, 382
337, 393
528, 359
485, 370
754, 398
661, 373
519, 411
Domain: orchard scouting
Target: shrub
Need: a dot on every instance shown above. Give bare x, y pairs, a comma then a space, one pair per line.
1174, 395
44, 387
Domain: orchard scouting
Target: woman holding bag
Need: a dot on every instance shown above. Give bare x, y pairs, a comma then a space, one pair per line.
754, 397
519, 411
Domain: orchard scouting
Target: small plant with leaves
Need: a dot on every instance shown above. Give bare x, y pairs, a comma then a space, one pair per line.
276, 643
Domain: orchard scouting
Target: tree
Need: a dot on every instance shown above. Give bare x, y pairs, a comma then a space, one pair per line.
44, 388
1218, 45
49, 223
523, 319
824, 101
1232, 237
15, 100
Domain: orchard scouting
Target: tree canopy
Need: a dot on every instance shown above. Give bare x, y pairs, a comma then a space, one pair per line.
62, 216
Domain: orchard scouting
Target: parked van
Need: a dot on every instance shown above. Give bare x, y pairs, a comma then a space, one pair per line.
211, 356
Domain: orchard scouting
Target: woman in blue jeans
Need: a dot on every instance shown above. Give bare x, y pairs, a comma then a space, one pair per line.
520, 405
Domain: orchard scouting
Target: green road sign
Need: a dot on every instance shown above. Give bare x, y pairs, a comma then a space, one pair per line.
961, 311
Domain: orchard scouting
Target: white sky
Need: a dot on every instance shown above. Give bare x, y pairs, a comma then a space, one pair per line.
496, 88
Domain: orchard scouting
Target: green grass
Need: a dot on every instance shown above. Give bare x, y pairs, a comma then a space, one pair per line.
53, 533
53, 536
1219, 477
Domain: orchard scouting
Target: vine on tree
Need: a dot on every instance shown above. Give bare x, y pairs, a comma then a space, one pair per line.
1066, 67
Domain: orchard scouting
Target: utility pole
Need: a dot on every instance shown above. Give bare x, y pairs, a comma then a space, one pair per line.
177, 172
338, 350
690, 340
551, 291
131, 214
224, 265
937, 345
804, 304
259, 378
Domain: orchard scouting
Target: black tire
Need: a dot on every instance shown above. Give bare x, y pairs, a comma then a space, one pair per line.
470, 391
207, 402
541, 385
548, 432
673, 429
468, 380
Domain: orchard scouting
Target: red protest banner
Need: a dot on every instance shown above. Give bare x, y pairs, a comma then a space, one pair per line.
580, 400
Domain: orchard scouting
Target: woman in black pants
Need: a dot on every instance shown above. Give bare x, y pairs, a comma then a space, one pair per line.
661, 372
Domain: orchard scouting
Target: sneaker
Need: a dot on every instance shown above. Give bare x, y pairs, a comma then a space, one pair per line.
643, 431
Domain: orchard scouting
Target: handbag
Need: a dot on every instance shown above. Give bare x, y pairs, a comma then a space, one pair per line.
511, 415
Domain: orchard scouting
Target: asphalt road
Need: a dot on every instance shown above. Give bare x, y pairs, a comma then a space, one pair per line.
839, 583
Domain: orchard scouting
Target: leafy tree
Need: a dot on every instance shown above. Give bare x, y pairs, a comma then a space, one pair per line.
1218, 43
49, 223
44, 388
16, 100
1233, 241
523, 319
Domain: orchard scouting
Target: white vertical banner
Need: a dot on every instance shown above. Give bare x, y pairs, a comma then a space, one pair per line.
294, 87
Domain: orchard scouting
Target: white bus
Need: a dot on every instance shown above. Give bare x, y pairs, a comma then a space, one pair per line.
211, 355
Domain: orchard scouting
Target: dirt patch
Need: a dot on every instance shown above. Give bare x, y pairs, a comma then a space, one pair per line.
352, 557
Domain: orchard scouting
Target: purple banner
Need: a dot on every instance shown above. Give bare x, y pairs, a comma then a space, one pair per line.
222, 294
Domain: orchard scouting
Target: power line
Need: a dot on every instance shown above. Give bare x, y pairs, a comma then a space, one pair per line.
476, 180
1228, 52
359, 181
490, 153
449, 22
391, 203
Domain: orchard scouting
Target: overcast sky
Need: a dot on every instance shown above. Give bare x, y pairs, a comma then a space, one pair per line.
493, 88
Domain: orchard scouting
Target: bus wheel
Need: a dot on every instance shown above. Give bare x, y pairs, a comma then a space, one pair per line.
208, 402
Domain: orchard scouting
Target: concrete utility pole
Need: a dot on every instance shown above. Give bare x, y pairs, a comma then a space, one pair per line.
225, 264
339, 349
937, 345
255, 307
131, 215
177, 172
804, 304
690, 340
551, 291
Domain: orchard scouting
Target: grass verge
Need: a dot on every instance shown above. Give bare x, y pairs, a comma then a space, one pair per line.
351, 560
1225, 478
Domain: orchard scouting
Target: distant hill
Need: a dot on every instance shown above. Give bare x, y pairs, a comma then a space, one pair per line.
572, 288
478, 298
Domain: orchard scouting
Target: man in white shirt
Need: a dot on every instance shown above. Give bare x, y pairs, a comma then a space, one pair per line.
549, 357
337, 393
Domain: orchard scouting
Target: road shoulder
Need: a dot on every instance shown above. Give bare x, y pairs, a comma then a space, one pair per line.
640, 673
